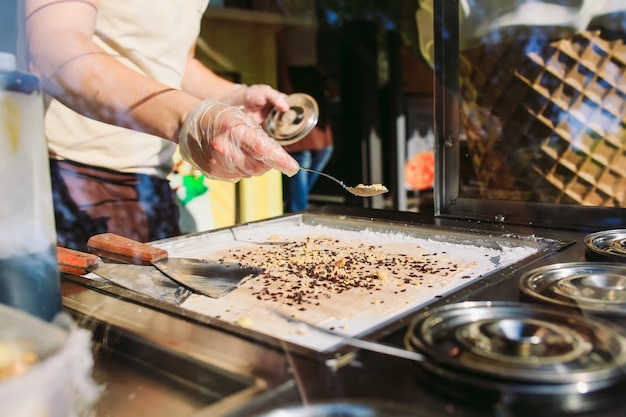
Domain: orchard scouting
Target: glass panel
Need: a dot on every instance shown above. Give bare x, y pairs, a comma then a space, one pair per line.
531, 102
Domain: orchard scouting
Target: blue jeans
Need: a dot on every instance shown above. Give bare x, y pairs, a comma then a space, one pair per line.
300, 185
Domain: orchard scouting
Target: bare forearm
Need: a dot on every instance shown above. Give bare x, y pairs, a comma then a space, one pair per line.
204, 83
105, 90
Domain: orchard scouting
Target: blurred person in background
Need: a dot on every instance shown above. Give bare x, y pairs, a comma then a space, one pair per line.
300, 72
123, 89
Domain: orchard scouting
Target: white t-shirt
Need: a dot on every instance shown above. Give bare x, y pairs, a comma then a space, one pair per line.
153, 37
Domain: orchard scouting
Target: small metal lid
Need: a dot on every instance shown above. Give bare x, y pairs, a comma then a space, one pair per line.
591, 287
607, 244
292, 125
520, 343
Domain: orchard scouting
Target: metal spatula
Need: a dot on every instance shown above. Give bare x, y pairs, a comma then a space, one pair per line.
141, 279
210, 278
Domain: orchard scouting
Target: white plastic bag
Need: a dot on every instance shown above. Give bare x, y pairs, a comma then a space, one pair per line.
59, 382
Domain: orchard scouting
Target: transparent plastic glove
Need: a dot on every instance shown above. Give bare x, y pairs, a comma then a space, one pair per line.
226, 144
256, 100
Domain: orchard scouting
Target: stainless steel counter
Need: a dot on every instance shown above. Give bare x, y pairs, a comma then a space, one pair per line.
161, 360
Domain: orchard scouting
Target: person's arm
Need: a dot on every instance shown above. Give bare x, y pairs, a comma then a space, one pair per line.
202, 82
255, 100
222, 141
85, 78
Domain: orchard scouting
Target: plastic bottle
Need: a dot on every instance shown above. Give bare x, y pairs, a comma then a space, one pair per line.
29, 277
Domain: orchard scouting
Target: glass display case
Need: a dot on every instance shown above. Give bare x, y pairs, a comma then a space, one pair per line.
529, 111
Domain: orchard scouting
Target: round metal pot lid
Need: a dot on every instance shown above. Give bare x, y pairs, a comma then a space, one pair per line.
292, 125
608, 244
520, 343
591, 287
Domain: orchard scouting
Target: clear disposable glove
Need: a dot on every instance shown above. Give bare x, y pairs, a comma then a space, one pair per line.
226, 144
256, 100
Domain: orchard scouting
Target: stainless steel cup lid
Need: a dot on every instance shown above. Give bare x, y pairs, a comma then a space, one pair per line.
591, 287
292, 125
509, 341
607, 244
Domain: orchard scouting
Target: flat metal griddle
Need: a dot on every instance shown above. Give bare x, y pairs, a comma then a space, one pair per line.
243, 313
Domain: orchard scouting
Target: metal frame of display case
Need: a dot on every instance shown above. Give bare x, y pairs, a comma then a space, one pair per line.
449, 201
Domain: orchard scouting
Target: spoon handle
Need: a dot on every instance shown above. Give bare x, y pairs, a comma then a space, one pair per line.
325, 175
359, 191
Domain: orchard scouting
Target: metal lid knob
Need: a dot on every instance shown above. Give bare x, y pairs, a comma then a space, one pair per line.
292, 125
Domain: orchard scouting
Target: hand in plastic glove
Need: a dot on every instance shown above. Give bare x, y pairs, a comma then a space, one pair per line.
226, 144
256, 100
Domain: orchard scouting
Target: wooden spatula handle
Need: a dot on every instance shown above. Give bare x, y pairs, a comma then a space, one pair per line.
119, 245
75, 262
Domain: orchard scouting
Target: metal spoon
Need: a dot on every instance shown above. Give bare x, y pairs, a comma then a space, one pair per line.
360, 190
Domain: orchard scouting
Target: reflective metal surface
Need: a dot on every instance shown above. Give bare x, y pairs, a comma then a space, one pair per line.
608, 244
284, 375
153, 358
483, 253
591, 287
519, 343
360, 190
292, 125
